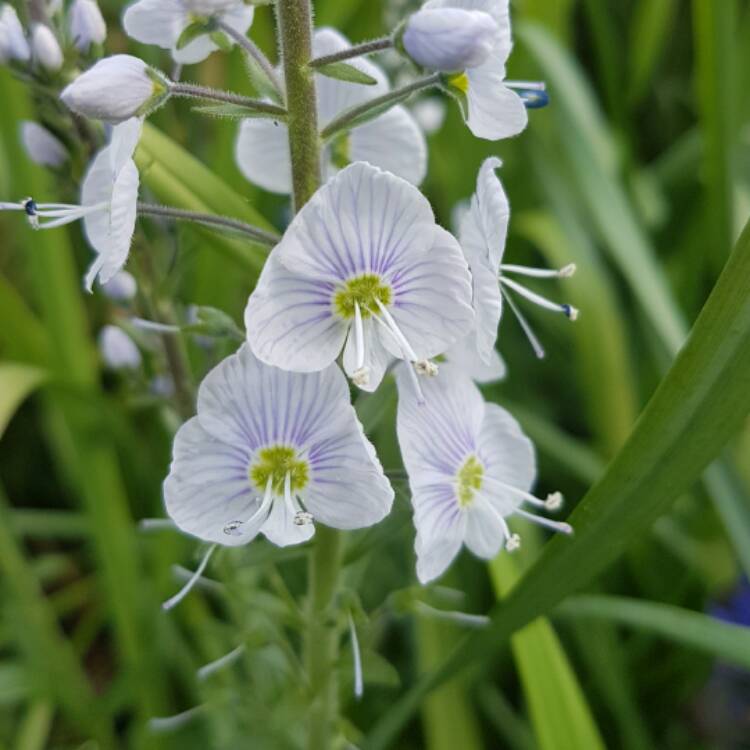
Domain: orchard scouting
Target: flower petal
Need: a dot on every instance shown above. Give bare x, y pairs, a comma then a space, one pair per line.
495, 111
208, 487
493, 211
290, 322
484, 530
465, 355
262, 153
394, 142
377, 357
158, 22
280, 528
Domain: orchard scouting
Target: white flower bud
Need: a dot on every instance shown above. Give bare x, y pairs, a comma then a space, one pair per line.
13, 44
45, 48
116, 89
449, 39
86, 24
122, 287
41, 146
117, 349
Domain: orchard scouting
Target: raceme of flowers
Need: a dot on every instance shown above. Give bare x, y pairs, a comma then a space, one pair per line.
363, 283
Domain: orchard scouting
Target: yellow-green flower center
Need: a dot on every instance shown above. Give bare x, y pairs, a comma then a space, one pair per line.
469, 480
459, 81
366, 291
277, 461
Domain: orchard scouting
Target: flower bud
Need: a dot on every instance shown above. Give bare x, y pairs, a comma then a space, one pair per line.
41, 146
86, 24
122, 287
13, 44
116, 89
449, 39
117, 349
45, 48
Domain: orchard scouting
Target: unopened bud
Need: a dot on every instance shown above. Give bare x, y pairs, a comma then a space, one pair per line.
87, 24
41, 146
13, 44
45, 48
118, 350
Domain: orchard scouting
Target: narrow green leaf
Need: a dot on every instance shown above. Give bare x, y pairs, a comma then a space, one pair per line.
700, 404
17, 382
652, 25
723, 640
342, 71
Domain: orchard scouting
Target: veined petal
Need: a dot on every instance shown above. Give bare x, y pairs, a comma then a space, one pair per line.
280, 529
464, 354
432, 297
208, 487
495, 111
484, 529
394, 142
158, 22
493, 210
262, 153
377, 357
123, 142
507, 455
290, 321
364, 220
441, 527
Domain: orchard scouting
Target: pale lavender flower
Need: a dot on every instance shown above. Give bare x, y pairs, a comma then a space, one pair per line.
41, 146
87, 25
118, 350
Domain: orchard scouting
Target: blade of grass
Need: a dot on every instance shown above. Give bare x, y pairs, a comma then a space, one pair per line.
700, 404
17, 382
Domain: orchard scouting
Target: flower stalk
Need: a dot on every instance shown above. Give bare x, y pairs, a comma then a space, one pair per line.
359, 50
194, 91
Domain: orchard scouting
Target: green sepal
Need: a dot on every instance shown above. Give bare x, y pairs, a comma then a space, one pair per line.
342, 71
215, 323
457, 94
193, 32
221, 41
236, 112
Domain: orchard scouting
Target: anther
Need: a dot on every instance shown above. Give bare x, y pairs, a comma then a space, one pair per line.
571, 313
534, 99
567, 271
232, 528
361, 377
554, 501
513, 543
29, 205
303, 518
426, 367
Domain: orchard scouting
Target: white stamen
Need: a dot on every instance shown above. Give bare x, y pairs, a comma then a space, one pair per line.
303, 518
154, 327
357, 657
208, 669
170, 723
552, 501
13, 206
396, 331
537, 299
560, 526
540, 273
512, 541
359, 338
233, 528
185, 590
156, 524
361, 377
525, 326
528, 85
61, 214
426, 367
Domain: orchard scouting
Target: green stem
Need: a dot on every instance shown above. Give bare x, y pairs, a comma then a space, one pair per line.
194, 91
321, 642
366, 48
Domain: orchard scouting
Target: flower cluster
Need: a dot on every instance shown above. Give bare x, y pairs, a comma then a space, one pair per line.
364, 281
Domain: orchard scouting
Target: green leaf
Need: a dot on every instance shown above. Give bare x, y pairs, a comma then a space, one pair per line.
191, 33
723, 640
221, 41
700, 404
17, 382
235, 112
342, 71
652, 23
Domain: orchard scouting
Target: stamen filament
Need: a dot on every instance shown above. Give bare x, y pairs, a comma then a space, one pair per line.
233, 528
525, 325
396, 331
560, 526
528, 85
357, 657
208, 669
512, 541
185, 590
553, 501
537, 299
540, 273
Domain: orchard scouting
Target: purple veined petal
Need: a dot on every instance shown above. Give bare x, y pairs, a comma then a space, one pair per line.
359, 222
394, 142
441, 527
280, 528
438, 436
208, 488
262, 154
432, 297
290, 321
507, 456
495, 111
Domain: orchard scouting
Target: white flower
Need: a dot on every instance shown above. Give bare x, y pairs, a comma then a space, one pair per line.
492, 109
41, 146
109, 202
483, 234
117, 349
13, 44
272, 452
364, 268
449, 39
122, 287
45, 48
86, 24
116, 89
393, 141
465, 357
470, 468
162, 22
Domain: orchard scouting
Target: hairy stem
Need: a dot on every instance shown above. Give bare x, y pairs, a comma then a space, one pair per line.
321, 642
350, 117
193, 91
178, 214
253, 51
366, 48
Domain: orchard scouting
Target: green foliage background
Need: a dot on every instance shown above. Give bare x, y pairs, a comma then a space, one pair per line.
638, 172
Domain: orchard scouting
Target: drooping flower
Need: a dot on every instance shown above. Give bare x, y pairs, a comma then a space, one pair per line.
108, 208
13, 44
41, 146
483, 235
492, 109
118, 350
449, 39
393, 141
116, 89
273, 452
166, 22
470, 468
364, 268
86, 24
45, 48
